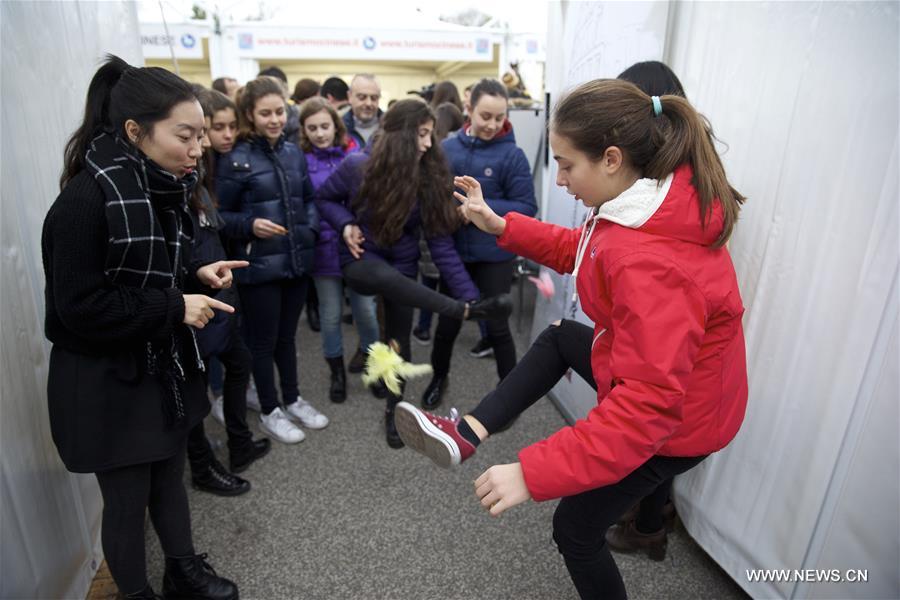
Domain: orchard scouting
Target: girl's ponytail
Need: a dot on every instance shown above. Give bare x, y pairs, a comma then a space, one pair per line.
657, 138
96, 115
689, 138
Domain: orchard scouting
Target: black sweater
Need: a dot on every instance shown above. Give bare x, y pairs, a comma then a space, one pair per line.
86, 313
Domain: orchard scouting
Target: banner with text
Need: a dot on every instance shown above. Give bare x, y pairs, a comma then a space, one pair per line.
352, 44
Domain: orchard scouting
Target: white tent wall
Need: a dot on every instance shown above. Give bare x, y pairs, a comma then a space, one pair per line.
49, 518
805, 97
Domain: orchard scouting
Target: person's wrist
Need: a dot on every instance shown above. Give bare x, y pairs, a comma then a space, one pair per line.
499, 226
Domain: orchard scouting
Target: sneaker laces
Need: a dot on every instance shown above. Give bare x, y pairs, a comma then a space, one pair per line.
454, 415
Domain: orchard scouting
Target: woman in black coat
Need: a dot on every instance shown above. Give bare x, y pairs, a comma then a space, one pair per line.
125, 381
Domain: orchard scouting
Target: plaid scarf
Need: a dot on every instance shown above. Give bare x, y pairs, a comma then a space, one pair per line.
149, 227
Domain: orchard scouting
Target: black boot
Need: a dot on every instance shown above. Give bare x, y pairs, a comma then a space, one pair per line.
193, 577
434, 393
312, 317
216, 480
145, 594
239, 461
390, 429
487, 309
337, 392
358, 362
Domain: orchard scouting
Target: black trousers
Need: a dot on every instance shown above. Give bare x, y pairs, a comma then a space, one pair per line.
492, 279
580, 522
237, 361
271, 313
376, 277
128, 492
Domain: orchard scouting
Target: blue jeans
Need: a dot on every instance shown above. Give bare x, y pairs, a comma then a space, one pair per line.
331, 302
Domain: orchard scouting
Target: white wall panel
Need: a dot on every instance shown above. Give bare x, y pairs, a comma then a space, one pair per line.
804, 96
50, 519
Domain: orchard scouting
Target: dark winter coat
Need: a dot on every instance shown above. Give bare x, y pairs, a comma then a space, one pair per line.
207, 248
334, 199
256, 180
321, 163
502, 170
105, 409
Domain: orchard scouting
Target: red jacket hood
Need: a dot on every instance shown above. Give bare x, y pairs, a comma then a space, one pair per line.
668, 208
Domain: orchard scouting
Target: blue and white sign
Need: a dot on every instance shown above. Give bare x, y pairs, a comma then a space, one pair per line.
185, 40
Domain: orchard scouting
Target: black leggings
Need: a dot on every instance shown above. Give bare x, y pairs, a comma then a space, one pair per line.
492, 279
127, 494
580, 521
371, 277
271, 313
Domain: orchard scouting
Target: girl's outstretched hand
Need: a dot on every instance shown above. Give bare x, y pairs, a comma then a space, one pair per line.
218, 275
474, 209
501, 487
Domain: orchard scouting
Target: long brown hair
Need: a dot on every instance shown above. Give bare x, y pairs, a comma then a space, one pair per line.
395, 177
249, 95
314, 105
608, 112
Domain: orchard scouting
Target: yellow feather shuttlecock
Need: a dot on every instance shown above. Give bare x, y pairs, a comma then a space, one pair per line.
386, 365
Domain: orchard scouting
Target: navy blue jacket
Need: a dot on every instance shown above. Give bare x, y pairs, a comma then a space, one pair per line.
256, 181
335, 198
207, 248
502, 170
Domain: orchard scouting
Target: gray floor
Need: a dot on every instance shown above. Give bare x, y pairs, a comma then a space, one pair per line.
341, 515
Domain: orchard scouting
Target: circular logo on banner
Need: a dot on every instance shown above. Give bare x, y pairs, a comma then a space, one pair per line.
488, 172
188, 41
369, 43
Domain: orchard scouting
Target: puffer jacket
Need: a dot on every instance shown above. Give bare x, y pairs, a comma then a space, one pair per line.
335, 200
668, 352
502, 170
256, 180
321, 163
207, 248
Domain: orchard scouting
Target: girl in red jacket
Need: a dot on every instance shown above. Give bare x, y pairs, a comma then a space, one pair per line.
666, 353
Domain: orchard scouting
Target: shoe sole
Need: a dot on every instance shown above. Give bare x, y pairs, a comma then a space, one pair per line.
219, 492
273, 436
297, 419
422, 342
482, 354
420, 434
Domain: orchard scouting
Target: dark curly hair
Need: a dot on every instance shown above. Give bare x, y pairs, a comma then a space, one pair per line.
396, 177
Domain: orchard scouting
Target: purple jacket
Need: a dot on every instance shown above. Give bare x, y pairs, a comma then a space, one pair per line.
334, 200
321, 163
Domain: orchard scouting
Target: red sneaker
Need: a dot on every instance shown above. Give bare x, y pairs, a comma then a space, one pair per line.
436, 437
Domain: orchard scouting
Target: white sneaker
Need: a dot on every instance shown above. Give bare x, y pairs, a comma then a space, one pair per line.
252, 398
303, 411
277, 425
218, 410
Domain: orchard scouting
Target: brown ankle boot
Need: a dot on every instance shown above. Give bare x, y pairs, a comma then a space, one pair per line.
627, 539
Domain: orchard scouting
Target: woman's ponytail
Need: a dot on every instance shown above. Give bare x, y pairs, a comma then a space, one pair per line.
117, 93
689, 138
96, 115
